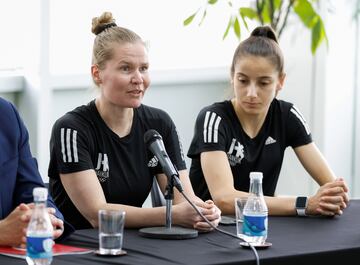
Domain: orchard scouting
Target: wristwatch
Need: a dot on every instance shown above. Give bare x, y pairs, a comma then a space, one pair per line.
300, 205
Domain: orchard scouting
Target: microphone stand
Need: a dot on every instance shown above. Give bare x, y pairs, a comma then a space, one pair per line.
169, 197
169, 231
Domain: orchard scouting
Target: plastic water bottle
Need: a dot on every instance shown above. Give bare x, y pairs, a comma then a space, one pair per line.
255, 224
39, 236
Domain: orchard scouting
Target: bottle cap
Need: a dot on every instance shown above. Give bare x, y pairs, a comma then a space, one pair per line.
256, 175
40, 194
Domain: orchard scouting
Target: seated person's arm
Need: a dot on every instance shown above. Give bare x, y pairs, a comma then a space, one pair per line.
331, 198
219, 179
87, 195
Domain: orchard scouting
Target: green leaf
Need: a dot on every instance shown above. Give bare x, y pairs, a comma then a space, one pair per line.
318, 35
189, 19
211, 2
244, 22
248, 12
203, 17
228, 28
306, 12
237, 28
265, 13
277, 4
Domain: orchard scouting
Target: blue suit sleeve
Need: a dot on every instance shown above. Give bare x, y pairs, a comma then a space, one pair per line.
28, 176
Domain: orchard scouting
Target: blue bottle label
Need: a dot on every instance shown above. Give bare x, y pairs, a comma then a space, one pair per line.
39, 247
255, 225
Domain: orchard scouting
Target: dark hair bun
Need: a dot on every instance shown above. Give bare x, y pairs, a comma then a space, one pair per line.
264, 31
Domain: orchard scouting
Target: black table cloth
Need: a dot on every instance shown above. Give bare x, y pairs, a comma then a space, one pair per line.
296, 240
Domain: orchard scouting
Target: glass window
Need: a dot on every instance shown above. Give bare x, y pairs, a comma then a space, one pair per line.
159, 22
19, 33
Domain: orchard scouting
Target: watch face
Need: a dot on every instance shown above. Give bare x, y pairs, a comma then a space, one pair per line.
301, 202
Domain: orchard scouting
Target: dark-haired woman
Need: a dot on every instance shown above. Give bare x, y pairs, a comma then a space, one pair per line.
251, 131
98, 156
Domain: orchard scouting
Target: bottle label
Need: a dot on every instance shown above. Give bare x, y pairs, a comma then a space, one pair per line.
39, 247
255, 225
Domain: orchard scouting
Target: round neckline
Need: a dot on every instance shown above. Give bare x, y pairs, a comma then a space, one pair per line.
108, 129
248, 138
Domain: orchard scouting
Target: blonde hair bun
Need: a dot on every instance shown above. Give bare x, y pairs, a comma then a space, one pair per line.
99, 24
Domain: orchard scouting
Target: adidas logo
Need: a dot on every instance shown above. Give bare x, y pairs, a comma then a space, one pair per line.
270, 140
153, 162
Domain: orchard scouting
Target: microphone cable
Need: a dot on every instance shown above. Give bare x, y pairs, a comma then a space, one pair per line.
220, 230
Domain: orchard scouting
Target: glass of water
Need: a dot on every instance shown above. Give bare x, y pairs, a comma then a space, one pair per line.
111, 230
239, 214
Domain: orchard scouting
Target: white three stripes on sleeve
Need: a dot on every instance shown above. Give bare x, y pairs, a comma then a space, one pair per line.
298, 114
211, 127
69, 145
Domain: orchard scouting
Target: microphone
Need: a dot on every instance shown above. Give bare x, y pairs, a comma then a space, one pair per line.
154, 142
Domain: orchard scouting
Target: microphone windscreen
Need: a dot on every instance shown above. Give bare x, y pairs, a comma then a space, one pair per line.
150, 136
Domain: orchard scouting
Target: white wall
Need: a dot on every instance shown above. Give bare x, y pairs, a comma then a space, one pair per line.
339, 85
326, 86
298, 89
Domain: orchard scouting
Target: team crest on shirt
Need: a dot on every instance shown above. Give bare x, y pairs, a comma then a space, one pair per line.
102, 167
235, 153
153, 162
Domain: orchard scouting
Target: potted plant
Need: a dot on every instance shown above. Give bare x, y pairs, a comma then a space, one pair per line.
269, 12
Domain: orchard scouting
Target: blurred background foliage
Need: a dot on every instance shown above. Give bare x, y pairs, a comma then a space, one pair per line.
275, 13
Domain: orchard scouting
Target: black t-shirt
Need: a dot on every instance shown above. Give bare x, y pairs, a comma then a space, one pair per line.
218, 129
81, 140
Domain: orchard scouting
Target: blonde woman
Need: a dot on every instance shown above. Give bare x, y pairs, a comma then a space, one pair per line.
98, 156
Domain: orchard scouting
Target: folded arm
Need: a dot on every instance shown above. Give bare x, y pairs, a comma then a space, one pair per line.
329, 199
87, 195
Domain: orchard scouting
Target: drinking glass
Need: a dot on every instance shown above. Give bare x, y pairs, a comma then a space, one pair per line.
239, 209
111, 230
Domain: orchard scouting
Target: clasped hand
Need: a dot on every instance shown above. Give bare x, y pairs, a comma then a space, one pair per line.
331, 199
13, 227
186, 216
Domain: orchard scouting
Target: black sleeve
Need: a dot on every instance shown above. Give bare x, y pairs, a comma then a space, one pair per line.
172, 142
69, 146
298, 131
175, 149
209, 133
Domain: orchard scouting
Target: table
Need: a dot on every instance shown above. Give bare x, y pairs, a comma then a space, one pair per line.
296, 240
